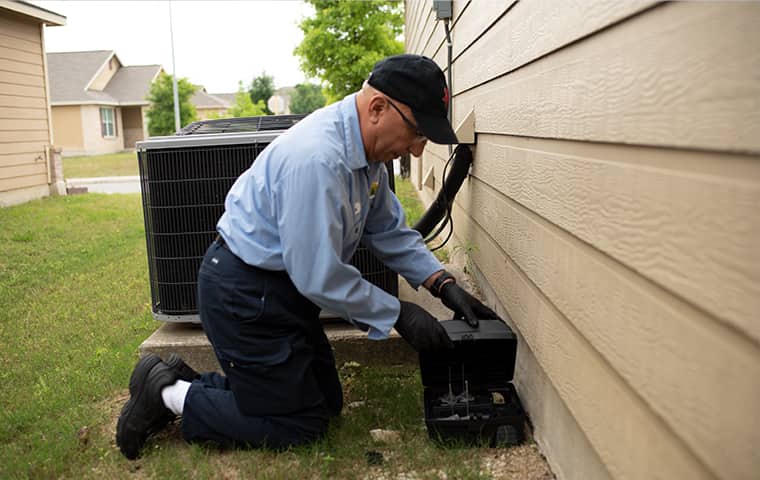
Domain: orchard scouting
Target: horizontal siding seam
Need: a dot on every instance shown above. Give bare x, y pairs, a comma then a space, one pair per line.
22, 130
430, 37
19, 73
485, 30
657, 290
602, 359
16, 60
554, 50
664, 147
17, 37
17, 84
452, 26
684, 171
24, 49
23, 176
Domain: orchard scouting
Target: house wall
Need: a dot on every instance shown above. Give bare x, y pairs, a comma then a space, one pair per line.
67, 125
24, 130
94, 142
205, 113
612, 211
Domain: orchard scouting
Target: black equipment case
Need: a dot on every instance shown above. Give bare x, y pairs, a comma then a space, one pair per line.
467, 391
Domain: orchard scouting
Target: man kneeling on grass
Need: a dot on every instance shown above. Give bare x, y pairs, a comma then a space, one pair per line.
290, 226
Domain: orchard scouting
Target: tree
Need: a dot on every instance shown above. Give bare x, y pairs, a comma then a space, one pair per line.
244, 107
161, 111
344, 40
262, 87
306, 98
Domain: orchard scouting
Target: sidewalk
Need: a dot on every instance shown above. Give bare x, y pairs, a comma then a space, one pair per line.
124, 184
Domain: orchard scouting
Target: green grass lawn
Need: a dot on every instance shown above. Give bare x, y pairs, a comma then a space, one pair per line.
75, 307
109, 165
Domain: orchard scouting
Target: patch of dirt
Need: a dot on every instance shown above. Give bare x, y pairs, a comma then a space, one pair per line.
112, 408
522, 462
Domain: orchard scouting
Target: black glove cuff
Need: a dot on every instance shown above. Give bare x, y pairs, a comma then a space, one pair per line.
435, 288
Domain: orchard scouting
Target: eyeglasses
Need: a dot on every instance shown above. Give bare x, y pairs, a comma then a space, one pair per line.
420, 136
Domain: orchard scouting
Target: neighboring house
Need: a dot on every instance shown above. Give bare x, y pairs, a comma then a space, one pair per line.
279, 102
98, 104
208, 104
29, 166
612, 210
228, 98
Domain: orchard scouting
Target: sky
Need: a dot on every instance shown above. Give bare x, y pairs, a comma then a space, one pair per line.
216, 43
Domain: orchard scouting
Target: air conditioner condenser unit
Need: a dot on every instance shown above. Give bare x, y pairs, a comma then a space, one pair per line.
184, 181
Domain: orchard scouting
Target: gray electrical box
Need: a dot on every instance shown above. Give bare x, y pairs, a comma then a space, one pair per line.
443, 9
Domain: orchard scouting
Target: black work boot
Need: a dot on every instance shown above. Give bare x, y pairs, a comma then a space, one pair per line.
144, 413
184, 371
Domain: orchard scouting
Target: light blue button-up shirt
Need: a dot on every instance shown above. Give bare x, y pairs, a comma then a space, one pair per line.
305, 203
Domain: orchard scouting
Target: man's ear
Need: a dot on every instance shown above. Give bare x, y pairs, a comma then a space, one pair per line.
376, 107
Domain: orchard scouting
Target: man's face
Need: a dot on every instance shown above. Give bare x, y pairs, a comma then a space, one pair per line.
399, 133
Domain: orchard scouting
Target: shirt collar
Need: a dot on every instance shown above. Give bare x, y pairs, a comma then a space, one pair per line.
356, 158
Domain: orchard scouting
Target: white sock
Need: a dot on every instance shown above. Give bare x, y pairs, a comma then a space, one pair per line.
174, 396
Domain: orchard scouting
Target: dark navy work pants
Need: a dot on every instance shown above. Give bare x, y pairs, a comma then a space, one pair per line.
280, 384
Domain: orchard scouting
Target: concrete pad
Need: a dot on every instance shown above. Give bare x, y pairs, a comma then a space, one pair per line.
349, 343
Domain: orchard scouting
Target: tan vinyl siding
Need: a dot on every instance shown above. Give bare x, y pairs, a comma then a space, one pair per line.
24, 133
612, 207
18, 27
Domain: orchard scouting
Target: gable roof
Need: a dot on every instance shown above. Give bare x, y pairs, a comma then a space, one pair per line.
226, 97
70, 74
130, 85
203, 99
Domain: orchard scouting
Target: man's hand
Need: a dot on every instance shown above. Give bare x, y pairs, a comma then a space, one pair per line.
465, 306
420, 329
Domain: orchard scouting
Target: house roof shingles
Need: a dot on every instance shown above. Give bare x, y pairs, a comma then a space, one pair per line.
227, 97
203, 99
130, 85
71, 72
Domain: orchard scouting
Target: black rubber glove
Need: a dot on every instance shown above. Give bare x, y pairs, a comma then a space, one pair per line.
465, 306
420, 329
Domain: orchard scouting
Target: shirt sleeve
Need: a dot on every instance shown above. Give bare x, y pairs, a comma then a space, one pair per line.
395, 244
312, 203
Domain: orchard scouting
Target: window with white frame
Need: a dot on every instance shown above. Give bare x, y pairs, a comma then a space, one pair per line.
107, 122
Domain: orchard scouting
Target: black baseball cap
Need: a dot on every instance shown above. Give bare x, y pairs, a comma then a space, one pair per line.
419, 83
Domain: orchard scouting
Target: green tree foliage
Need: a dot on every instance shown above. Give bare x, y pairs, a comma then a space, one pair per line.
306, 98
344, 40
244, 107
262, 87
161, 111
